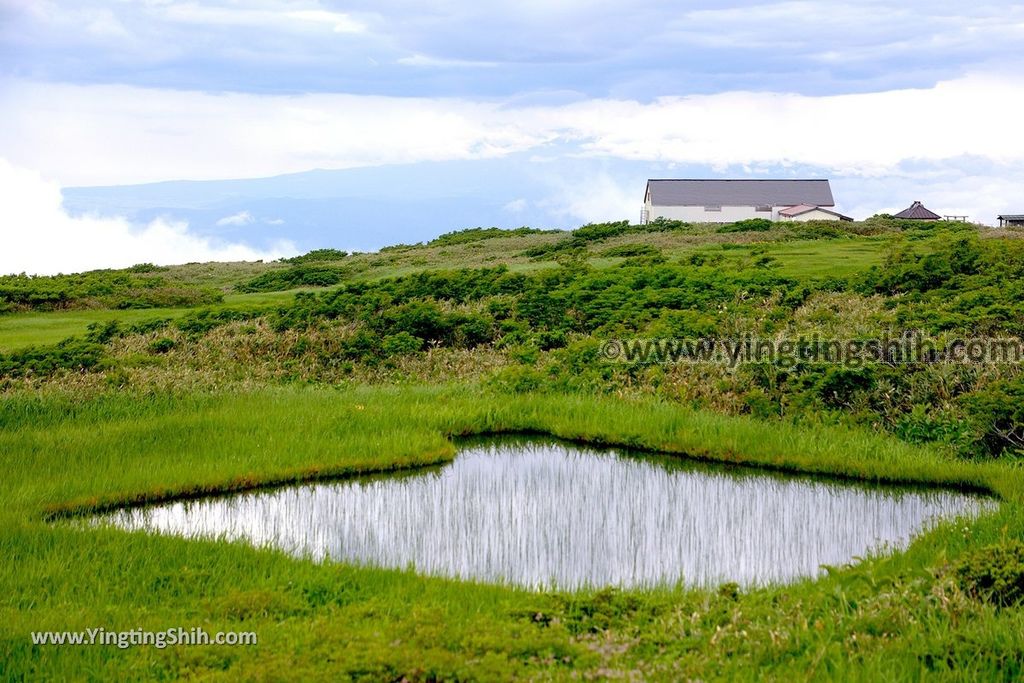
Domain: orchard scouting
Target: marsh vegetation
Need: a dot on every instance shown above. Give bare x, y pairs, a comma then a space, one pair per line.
408, 349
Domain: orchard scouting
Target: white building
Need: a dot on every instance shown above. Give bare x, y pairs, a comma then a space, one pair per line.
728, 201
806, 212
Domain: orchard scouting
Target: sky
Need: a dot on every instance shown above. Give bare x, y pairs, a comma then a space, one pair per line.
292, 125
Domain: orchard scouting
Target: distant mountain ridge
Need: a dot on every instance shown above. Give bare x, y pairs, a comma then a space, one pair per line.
360, 208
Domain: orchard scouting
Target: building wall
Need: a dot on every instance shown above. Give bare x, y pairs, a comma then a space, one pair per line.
811, 216
697, 214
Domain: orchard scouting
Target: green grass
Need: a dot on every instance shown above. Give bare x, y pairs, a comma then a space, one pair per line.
69, 445
37, 329
806, 259
817, 258
889, 618
19, 330
821, 258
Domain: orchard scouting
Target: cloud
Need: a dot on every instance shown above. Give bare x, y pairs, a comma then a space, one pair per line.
516, 206
39, 237
911, 138
88, 135
439, 62
275, 19
868, 133
593, 199
812, 47
109, 134
240, 218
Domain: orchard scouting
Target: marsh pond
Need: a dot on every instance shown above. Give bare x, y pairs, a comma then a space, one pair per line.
539, 513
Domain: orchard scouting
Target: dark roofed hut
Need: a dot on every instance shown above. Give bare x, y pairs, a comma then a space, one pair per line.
918, 212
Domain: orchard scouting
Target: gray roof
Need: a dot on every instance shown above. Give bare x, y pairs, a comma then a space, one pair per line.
670, 192
918, 211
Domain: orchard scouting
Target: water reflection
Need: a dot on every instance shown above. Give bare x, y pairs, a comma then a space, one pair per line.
540, 514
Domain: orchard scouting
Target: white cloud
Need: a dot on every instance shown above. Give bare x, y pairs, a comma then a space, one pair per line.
103, 134
240, 218
194, 13
338, 21
854, 134
39, 237
516, 206
109, 134
593, 199
440, 62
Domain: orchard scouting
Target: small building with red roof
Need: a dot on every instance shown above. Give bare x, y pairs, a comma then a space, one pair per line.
809, 212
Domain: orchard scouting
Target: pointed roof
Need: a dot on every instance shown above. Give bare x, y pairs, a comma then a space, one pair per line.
917, 211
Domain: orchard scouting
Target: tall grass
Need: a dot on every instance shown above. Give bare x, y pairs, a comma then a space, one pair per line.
888, 618
123, 447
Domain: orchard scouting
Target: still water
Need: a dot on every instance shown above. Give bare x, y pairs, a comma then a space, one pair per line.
537, 513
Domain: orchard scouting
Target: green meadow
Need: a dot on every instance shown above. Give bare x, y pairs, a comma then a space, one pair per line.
40, 328
341, 365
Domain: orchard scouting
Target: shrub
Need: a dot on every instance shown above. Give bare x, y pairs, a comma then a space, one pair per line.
479, 234
317, 256
835, 386
293, 278
748, 225
201, 322
994, 574
166, 297
907, 270
162, 345
101, 333
129, 288
401, 344
579, 239
518, 379
923, 425
70, 354
997, 412
757, 403
662, 224
146, 268
551, 339
628, 250
595, 232
147, 326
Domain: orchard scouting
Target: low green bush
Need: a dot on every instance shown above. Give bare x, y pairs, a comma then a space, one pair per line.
134, 287
994, 574
629, 250
304, 275
162, 345
997, 412
479, 234
70, 354
200, 322
748, 225
317, 256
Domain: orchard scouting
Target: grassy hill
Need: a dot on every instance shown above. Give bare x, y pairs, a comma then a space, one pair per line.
153, 383
526, 308
64, 306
